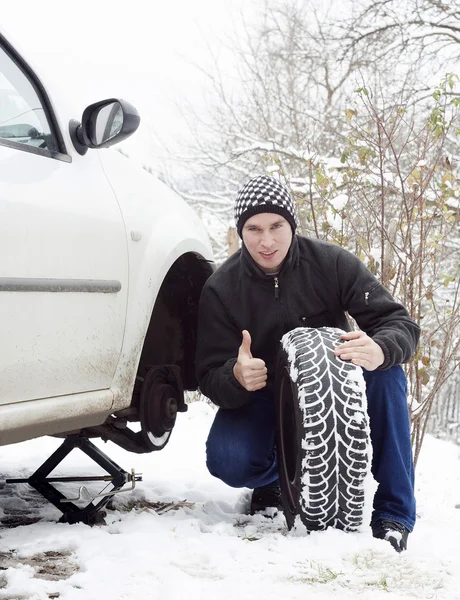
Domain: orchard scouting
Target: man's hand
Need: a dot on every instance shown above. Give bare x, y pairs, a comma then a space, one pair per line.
250, 372
361, 350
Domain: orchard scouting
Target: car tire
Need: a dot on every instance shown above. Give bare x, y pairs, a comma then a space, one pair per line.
322, 436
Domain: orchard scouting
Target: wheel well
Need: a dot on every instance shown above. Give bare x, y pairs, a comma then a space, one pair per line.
171, 334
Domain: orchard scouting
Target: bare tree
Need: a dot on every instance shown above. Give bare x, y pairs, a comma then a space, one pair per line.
445, 420
421, 32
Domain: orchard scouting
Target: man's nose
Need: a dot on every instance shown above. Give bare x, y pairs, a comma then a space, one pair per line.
267, 239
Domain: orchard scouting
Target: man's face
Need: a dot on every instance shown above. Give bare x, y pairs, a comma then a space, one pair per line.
267, 236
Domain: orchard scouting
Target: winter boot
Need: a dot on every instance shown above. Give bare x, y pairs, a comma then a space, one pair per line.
266, 497
395, 533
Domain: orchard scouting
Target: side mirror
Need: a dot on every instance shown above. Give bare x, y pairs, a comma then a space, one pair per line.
104, 124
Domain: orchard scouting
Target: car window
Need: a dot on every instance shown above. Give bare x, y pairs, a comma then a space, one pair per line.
22, 116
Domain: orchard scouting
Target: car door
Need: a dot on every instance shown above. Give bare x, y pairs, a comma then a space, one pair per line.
63, 251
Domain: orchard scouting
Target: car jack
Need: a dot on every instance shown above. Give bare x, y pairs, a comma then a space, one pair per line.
92, 513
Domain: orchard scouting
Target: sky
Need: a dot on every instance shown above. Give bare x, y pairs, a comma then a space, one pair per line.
206, 547
144, 51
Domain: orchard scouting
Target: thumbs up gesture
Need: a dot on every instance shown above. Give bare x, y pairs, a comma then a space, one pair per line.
250, 372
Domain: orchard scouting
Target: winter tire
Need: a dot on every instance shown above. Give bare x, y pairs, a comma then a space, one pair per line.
322, 431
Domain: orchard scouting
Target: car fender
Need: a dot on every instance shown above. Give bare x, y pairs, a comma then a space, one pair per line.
160, 228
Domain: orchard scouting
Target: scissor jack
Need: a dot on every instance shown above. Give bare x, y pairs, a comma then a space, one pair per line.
92, 513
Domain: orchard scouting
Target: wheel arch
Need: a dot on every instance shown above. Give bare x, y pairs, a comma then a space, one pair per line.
167, 282
171, 333
163, 233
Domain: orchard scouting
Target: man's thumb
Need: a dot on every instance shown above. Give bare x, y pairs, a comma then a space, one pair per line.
245, 347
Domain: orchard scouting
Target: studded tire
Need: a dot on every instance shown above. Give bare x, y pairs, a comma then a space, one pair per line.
322, 431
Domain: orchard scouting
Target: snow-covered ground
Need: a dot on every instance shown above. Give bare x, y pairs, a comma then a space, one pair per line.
208, 548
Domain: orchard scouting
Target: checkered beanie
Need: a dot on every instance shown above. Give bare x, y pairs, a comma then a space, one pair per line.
264, 194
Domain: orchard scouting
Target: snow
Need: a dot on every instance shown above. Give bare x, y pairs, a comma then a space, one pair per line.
208, 548
339, 202
334, 220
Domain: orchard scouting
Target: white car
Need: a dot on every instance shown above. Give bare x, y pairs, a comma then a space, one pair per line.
101, 269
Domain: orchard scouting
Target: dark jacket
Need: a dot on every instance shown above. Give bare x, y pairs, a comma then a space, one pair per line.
317, 283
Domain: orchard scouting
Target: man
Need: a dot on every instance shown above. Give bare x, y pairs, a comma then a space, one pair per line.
279, 281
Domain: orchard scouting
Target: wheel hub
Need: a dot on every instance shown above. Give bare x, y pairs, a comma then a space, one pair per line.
158, 406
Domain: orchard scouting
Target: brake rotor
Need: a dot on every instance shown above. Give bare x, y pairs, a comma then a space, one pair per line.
158, 405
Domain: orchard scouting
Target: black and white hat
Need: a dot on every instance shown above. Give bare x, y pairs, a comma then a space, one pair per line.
264, 194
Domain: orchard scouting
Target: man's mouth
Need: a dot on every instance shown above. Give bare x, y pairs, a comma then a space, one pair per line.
268, 254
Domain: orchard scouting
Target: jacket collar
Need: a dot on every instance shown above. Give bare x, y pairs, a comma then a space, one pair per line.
251, 269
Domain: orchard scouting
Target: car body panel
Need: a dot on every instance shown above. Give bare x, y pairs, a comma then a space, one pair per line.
60, 222
160, 228
34, 418
86, 243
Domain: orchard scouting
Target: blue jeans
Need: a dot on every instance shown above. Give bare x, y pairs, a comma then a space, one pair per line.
241, 445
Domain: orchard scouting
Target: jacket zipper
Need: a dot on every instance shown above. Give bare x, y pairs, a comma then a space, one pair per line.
366, 297
277, 294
